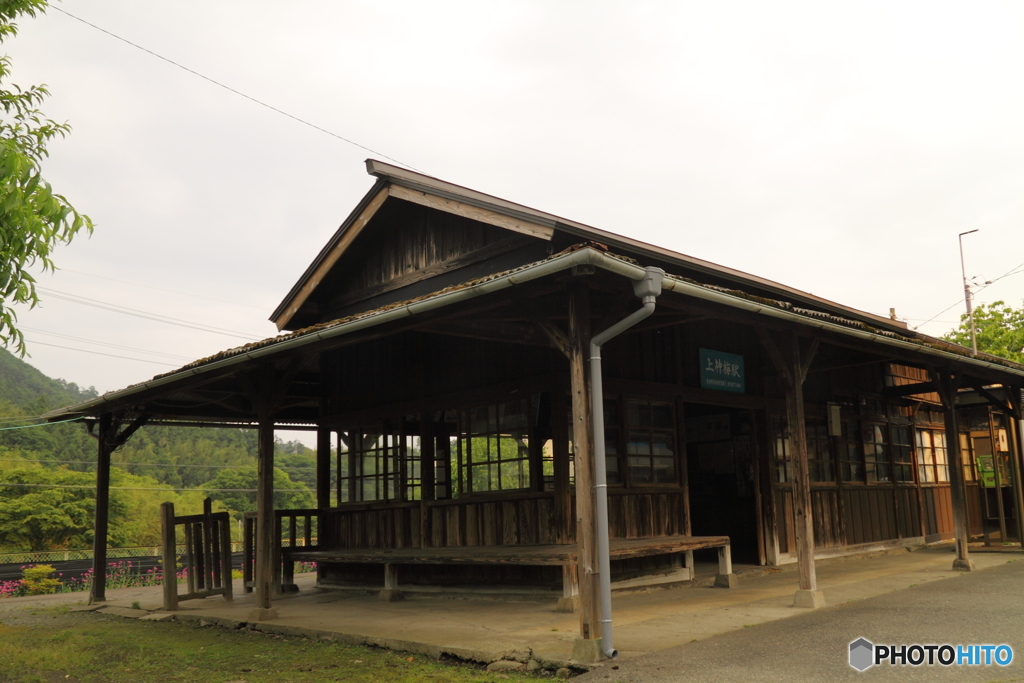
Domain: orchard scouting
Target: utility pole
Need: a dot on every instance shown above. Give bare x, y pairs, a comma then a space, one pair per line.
968, 295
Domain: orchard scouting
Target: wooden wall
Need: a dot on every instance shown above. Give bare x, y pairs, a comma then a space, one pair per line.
520, 519
854, 515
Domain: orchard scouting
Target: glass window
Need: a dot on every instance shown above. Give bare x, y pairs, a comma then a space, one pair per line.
902, 455
819, 452
876, 455
650, 442
494, 454
851, 457
371, 465
783, 451
932, 467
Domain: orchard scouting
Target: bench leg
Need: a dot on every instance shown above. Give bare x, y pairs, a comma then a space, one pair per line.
569, 602
390, 593
680, 567
725, 578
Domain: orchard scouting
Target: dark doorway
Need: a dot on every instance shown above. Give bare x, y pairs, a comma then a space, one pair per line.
721, 450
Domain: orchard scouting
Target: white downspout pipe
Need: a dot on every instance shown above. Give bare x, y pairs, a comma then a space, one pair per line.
648, 288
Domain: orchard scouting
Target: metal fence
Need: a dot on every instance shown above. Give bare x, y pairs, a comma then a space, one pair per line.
112, 554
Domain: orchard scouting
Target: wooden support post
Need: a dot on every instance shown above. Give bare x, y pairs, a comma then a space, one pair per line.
586, 540
265, 523
792, 363
225, 560
209, 558
946, 382
170, 556
569, 602
323, 467
725, 578
107, 443
808, 595
1013, 430
390, 592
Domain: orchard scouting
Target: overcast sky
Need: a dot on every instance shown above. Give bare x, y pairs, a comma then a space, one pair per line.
835, 147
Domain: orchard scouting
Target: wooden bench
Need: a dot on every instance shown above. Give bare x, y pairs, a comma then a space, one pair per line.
564, 555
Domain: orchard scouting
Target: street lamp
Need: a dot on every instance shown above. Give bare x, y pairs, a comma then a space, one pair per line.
968, 295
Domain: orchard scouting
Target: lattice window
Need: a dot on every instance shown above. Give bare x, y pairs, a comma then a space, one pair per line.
377, 464
650, 442
493, 451
901, 448
851, 456
783, 451
819, 452
932, 462
876, 452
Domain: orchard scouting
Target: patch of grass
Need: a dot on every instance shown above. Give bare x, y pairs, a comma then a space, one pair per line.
83, 646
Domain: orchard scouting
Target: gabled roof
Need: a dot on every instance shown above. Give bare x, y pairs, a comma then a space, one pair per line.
425, 190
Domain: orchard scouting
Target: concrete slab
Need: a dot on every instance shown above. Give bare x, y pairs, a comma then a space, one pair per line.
488, 630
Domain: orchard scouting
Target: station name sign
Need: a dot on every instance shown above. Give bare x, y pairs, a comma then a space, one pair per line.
721, 371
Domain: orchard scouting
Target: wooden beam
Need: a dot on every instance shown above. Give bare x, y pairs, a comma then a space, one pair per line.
472, 212
996, 402
558, 338
946, 383
914, 389
782, 365
579, 381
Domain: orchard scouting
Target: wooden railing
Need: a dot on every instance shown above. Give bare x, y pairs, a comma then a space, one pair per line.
503, 519
207, 558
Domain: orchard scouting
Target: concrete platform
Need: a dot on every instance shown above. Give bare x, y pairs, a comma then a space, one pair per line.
486, 630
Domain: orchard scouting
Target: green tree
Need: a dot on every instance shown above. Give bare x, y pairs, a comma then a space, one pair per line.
999, 330
33, 219
43, 509
236, 490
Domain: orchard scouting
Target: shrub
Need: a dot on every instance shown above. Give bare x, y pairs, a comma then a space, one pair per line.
37, 579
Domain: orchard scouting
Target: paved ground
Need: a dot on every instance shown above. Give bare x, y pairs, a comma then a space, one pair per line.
694, 632
978, 608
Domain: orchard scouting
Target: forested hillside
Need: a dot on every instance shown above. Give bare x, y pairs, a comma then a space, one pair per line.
46, 472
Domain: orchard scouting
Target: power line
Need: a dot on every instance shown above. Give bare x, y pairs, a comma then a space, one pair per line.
145, 488
106, 306
159, 289
44, 424
154, 464
236, 92
106, 344
98, 353
1013, 271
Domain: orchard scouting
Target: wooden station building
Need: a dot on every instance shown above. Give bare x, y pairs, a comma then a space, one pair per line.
439, 345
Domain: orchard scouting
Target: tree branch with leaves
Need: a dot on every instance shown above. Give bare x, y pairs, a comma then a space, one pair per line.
999, 329
33, 218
